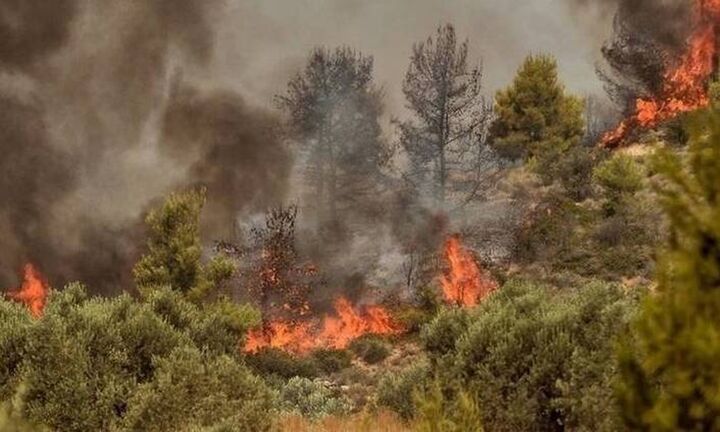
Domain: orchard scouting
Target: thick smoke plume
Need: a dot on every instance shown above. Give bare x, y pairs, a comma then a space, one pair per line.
665, 21
648, 37
232, 149
93, 130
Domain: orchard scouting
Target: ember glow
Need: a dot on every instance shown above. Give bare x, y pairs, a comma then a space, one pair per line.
332, 331
685, 86
33, 292
465, 284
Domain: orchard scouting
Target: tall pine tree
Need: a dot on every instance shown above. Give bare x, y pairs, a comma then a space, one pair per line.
334, 110
444, 140
535, 118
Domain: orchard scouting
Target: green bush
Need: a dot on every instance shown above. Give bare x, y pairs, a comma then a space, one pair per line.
191, 390
440, 336
312, 399
331, 360
535, 358
371, 349
276, 362
438, 413
413, 318
670, 373
174, 250
396, 390
85, 364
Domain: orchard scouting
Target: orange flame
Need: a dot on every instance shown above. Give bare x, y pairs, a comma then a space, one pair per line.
33, 292
332, 332
684, 89
465, 284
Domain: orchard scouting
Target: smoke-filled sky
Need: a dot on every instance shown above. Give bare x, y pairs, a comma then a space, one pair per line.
107, 106
261, 41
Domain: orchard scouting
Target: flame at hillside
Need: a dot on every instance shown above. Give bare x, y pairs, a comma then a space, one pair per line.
685, 86
465, 284
332, 331
33, 292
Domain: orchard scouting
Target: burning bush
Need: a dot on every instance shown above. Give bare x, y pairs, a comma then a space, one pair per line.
465, 284
331, 331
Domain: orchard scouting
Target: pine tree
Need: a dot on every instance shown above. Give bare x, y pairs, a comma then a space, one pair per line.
334, 110
445, 141
670, 367
535, 118
174, 257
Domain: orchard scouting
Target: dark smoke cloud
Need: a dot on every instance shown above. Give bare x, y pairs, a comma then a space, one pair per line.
666, 22
87, 120
647, 37
238, 153
34, 174
30, 30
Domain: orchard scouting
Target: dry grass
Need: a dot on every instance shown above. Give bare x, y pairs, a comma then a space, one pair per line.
381, 422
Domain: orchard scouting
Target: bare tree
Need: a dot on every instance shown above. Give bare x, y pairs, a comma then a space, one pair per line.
445, 141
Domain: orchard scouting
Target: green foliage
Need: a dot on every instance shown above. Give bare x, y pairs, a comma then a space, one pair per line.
174, 250
332, 360
670, 368
396, 389
270, 362
193, 390
413, 318
312, 399
535, 118
575, 172
90, 362
612, 235
620, 177
371, 349
533, 358
440, 336
14, 328
438, 413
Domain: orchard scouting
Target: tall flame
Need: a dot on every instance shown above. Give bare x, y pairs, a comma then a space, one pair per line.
333, 331
685, 87
465, 284
33, 292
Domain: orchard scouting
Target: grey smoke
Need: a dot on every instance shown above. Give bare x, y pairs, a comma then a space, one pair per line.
106, 106
86, 103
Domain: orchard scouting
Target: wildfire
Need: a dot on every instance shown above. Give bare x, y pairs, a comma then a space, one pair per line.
684, 89
33, 291
465, 284
331, 332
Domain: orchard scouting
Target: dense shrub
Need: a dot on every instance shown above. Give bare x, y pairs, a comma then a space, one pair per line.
440, 336
371, 349
331, 360
413, 318
276, 362
396, 390
192, 390
312, 399
93, 363
436, 412
669, 364
535, 358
